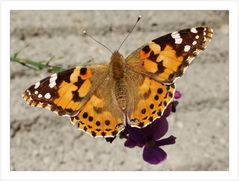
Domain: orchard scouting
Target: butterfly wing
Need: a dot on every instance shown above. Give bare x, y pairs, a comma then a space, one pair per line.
156, 66
101, 115
148, 99
66, 92
84, 94
166, 58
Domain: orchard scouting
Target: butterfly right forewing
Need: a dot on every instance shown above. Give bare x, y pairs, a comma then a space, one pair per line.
158, 64
166, 58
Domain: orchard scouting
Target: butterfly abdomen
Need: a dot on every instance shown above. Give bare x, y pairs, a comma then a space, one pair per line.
121, 94
117, 70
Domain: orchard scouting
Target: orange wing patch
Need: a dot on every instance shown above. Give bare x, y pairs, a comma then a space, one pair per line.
153, 99
147, 50
65, 96
66, 92
150, 66
163, 64
99, 116
166, 58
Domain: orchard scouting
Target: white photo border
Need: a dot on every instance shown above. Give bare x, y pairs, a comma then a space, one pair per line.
7, 6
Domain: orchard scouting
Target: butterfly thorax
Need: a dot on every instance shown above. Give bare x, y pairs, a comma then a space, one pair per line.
117, 65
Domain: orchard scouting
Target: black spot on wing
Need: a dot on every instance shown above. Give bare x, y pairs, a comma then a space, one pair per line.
146, 49
161, 68
165, 40
153, 56
65, 75
83, 71
76, 97
79, 82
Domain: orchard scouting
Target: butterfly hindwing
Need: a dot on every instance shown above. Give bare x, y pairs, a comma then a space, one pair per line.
149, 98
66, 92
166, 58
101, 115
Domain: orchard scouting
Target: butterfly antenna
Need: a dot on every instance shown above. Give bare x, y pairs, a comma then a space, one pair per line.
139, 17
86, 34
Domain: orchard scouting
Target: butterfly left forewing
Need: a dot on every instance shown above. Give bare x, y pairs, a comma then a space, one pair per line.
166, 58
66, 92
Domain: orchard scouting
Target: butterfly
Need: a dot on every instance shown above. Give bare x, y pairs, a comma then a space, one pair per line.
102, 99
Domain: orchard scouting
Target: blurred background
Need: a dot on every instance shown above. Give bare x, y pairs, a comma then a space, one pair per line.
41, 140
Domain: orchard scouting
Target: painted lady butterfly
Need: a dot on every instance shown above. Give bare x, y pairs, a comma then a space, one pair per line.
102, 99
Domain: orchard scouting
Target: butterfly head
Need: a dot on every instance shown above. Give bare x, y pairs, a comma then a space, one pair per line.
117, 65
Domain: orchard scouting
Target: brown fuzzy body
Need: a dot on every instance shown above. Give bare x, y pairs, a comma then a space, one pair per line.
118, 71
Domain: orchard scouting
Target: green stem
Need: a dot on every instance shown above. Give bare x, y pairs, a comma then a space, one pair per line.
36, 65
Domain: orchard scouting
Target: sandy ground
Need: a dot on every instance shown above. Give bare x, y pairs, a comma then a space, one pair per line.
41, 140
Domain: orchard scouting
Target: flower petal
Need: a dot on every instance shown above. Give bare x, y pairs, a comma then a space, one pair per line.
167, 111
130, 143
154, 155
177, 94
137, 135
166, 141
160, 128
174, 105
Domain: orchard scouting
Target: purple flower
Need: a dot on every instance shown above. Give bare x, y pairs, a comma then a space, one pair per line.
177, 94
150, 137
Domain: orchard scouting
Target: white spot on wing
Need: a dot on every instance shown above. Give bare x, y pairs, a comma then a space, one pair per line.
197, 37
53, 80
187, 48
193, 30
39, 96
178, 41
29, 93
176, 36
36, 92
47, 95
37, 85
194, 43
